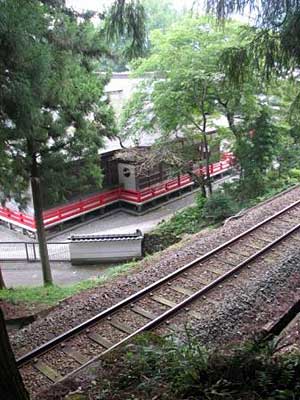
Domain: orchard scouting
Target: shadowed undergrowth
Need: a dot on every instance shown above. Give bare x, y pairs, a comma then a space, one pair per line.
156, 368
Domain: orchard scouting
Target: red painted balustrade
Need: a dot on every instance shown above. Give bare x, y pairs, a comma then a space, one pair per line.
71, 210
59, 214
176, 183
16, 217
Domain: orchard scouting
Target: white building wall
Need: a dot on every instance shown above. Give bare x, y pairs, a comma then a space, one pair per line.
106, 251
128, 182
119, 89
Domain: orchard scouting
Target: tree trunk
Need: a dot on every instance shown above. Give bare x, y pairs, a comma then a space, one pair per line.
201, 182
11, 384
2, 283
208, 180
203, 190
39, 222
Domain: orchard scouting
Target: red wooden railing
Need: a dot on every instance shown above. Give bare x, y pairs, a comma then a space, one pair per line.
17, 218
176, 183
63, 213
72, 210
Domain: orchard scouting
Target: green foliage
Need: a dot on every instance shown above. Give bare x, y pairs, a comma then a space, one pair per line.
52, 108
192, 65
151, 15
200, 201
136, 117
255, 151
188, 220
219, 206
166, 369
295, 173
167, 233
271, 50
49, 96
126, 21
160, 14
183, 96
212, 210
184, 92
170, 232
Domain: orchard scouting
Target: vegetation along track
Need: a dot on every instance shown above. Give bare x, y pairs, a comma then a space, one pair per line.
156, 303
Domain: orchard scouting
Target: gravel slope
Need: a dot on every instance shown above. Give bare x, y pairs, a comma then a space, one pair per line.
245, 309
82, 306
242, 314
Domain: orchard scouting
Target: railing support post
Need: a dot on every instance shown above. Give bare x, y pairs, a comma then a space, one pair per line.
26, 250
34, 252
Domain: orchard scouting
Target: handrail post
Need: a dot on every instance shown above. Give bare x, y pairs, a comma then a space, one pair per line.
34, 251
26, 250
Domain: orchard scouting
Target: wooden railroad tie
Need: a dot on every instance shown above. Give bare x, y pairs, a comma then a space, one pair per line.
48, 371
100, 340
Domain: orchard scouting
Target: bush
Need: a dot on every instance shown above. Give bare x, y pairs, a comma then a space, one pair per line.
163, 368
185, 221
219, 206
295, 173
200, 201
169, 232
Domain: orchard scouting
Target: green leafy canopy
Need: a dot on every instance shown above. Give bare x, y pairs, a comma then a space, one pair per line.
52, 107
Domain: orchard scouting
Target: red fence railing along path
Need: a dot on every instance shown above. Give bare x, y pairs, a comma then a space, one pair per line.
72, 210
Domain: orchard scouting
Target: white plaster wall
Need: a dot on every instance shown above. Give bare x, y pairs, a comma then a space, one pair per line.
105, 251
120, 90
127, 182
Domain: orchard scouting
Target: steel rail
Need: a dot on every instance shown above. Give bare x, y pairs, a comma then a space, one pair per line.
178, 307
92, 321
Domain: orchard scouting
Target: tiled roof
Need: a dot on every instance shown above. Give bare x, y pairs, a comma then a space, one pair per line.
104, 238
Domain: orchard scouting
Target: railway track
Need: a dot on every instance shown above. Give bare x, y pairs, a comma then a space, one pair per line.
155, 304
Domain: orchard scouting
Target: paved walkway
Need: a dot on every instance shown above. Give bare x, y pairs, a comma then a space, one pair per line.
29, 274
123, 222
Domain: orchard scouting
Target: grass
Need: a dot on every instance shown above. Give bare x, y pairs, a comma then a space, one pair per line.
51, 295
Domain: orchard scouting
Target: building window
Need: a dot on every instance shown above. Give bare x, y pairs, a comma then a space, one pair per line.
126, 172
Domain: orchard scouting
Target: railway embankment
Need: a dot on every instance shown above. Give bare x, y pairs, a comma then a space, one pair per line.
82, 306
242, 309
222, 315
225, 347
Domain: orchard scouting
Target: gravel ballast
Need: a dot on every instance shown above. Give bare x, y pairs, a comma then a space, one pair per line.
77, 309
241, 315
246, 309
